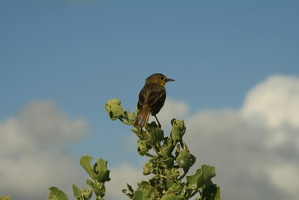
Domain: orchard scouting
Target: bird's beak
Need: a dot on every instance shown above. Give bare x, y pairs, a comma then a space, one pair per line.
169, 80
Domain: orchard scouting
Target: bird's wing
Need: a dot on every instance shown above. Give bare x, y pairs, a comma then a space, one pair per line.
150, 94
155, 96
141, 99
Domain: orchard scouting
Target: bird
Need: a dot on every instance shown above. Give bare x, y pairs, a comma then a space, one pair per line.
151, 99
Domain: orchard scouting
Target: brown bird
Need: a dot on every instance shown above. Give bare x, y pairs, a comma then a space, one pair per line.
151, 98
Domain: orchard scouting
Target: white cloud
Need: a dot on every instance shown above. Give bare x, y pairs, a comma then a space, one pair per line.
275, 101
120, 176
175, 109
34, 151
254, 149
285, 176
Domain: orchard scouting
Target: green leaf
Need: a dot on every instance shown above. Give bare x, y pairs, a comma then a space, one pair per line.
218, 194
178, 130
151, 126
173, 174
167, 148
144, 185
129, 191
211, 192
56, 194
85, 163
143, 148
168, 162
5, 198
201, 177
90, 183
147, 169
130, 188
101, 170
87, 193
77, 191
184, 158
143, 191
155, 136
173, 197
98, 188
114, 109
140, 195
84, 193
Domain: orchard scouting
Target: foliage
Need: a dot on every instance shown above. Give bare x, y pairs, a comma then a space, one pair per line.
5, 198
56, 194
169, 162
98, 173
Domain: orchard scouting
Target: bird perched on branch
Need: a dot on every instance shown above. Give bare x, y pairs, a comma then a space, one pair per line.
151, 98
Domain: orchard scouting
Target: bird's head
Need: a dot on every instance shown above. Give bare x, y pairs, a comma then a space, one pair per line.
158, 78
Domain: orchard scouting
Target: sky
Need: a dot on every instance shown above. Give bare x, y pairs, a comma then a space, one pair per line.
236, 71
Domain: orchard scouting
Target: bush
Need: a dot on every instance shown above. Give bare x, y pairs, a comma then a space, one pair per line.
169, 161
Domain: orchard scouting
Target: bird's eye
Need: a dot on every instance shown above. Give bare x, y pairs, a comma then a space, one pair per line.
162, 78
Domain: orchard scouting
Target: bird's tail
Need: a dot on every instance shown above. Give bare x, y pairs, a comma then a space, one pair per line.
142, 117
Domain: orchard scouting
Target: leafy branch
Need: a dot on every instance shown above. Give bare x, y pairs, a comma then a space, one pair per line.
98, 173
169, 162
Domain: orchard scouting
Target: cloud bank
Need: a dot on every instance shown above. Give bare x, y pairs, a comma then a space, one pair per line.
34, 151
254, 149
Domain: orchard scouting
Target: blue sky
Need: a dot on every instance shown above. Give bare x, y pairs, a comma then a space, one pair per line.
79, 54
